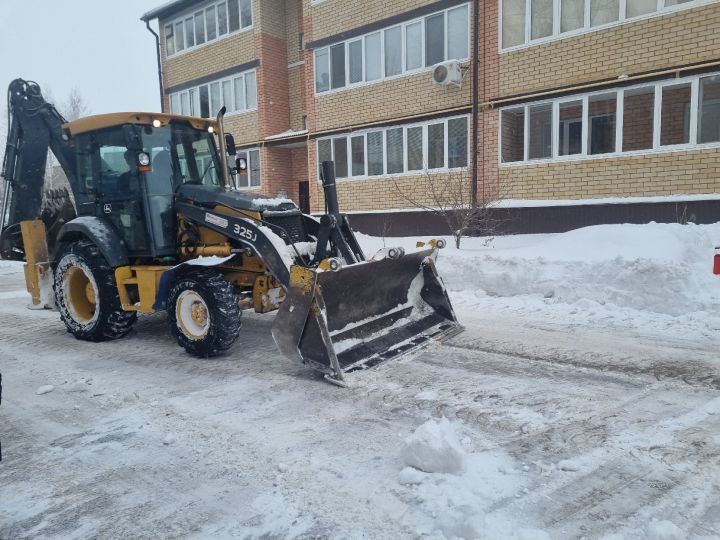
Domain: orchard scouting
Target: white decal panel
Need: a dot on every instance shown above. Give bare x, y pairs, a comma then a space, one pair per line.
216, 220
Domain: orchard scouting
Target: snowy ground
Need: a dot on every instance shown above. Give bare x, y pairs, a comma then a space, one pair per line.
583, 400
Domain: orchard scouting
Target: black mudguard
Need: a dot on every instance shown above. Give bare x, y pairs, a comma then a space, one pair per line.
100, 233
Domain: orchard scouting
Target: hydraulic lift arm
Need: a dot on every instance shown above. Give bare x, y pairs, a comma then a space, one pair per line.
34, 128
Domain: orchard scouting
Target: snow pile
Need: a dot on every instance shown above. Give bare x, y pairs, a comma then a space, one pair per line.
434, 447
653, 275
455, 489
631, 266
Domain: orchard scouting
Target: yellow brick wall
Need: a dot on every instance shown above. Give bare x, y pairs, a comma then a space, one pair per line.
269, 17
208, 59
292, 30
668, 40
243, 126
297, 97
396, 98
670, 173
333, 16
401, 191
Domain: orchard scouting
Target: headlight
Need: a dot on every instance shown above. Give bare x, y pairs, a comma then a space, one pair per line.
157, 123
143, 159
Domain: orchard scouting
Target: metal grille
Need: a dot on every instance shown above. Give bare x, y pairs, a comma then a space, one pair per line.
292, 225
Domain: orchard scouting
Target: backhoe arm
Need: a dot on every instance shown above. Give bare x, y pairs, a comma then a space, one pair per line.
34, 128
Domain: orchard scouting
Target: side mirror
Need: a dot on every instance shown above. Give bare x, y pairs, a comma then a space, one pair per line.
241, 164
230, 144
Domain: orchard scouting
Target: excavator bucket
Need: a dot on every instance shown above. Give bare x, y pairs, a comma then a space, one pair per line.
363, 314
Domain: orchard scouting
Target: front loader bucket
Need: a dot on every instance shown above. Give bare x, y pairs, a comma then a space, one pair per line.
363, 314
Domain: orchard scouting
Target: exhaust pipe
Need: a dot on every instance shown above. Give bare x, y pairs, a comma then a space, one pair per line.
329, 187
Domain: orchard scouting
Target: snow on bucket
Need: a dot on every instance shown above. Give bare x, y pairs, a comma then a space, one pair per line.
363, 314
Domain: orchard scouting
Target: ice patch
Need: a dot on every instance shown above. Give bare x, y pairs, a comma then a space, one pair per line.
664, 530
434, 447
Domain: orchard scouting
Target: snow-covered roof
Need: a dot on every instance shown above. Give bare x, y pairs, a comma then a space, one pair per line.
289, 134
168, 8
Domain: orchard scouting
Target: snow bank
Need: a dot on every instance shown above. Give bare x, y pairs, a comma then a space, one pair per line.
654, 274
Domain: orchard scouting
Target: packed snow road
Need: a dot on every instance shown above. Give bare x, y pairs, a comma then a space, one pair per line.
557, 430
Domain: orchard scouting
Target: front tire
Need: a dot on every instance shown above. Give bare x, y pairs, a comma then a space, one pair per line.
203, 312
87, 297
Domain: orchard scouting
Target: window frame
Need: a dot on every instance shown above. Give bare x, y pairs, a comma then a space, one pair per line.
660, 10
189, 14
405, 127
241, 76
404, 71
247, 152
657, 147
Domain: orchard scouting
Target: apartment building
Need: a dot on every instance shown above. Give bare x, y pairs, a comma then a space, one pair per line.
570, 102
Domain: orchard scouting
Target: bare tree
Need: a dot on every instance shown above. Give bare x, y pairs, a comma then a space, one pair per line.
385, 227
74, 106
449, 195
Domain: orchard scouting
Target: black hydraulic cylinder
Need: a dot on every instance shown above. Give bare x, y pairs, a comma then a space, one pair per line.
328, 181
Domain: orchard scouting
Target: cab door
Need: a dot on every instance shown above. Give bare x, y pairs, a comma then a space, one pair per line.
111, 187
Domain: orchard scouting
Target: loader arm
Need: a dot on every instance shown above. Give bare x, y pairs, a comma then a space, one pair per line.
261, 240
35, 126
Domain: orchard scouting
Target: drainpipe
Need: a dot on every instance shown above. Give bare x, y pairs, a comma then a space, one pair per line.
159, 65
475, 100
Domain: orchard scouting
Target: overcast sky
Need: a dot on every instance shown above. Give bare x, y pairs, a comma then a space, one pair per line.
99, 46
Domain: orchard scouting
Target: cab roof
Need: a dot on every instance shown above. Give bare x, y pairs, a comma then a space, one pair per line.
103, 121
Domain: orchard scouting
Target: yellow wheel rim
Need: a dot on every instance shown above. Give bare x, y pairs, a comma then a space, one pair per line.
80, 294
192, 315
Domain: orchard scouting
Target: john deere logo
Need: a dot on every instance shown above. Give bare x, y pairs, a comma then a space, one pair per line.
107, 208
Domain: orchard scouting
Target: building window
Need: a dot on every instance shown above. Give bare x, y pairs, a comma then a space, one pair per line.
376, 163
681, 113
210, 23
237, 93
513, 23
512, 136
251, 176
570, 128
395, 150
435, 145
639, 107
575, 16
540, 144
541, 20
357, 145
415, 148
602, 115
709, 116
394, 51
675, 114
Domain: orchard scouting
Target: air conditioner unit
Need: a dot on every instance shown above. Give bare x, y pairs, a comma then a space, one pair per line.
448, 73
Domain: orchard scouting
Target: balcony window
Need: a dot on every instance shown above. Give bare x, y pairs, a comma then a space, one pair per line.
675, 114
394, 51
213, 21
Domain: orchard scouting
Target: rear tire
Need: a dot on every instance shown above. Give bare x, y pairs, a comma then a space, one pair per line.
203, 312
87, 297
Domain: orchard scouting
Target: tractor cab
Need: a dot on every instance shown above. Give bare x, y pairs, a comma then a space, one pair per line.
130, 166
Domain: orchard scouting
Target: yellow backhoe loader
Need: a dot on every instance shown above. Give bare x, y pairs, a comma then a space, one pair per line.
153, 221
